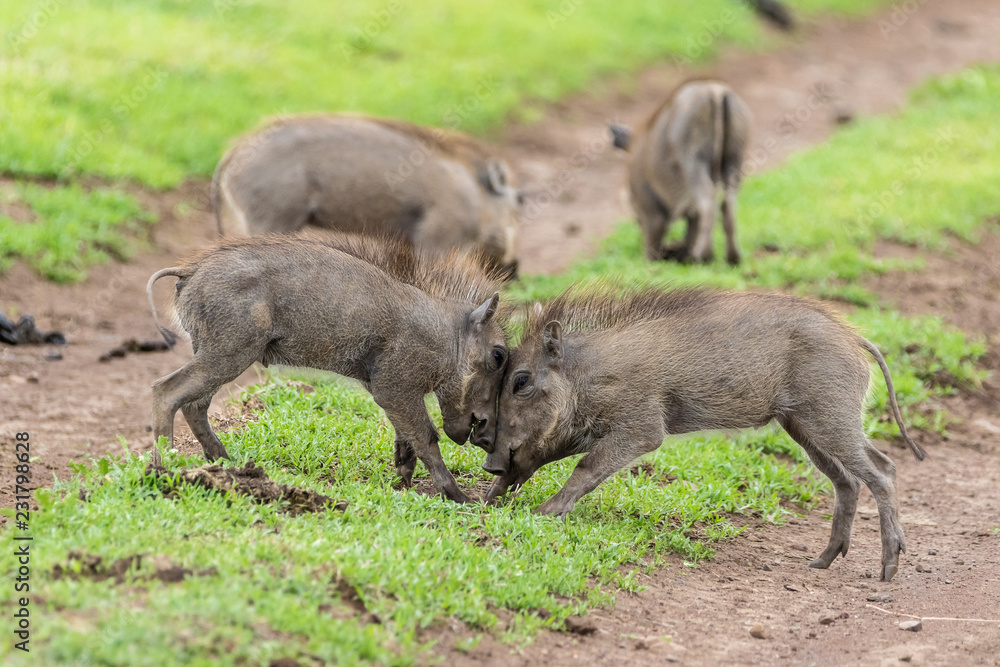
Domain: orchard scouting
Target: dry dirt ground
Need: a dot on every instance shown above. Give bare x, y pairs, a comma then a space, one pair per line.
950, 503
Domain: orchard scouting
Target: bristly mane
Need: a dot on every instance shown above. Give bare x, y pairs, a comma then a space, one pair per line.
611, 306
453, 276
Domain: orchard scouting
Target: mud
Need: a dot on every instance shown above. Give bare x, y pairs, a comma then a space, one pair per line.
250, 480
92, 566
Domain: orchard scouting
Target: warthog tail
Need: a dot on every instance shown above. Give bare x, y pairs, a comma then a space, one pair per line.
179, 272
917, 450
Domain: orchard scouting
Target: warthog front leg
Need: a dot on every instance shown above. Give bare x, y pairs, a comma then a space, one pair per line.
413, 427
609, 455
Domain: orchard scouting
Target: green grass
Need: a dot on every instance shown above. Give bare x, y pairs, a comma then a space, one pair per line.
74, 228
153, 92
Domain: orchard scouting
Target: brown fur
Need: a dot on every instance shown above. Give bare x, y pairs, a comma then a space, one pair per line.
610, 372
402, 324
436, 189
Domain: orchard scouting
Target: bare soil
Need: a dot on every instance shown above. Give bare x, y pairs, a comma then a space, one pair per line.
249, 480
950, 503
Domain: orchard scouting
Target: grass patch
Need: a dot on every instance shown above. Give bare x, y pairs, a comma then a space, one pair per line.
72, 229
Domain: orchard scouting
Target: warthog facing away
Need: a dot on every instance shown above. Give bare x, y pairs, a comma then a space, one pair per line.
611, 377
437, 189
689, 148
371, 310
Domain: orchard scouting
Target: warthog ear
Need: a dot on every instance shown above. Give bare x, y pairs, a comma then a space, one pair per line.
621, 136
496, 176
552, 342
482, 315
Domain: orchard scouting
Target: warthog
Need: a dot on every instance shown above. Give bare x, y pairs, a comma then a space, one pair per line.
372, 310
611, 377
689, 148
438, 189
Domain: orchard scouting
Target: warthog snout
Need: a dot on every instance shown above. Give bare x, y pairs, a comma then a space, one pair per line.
483, 433
498, 461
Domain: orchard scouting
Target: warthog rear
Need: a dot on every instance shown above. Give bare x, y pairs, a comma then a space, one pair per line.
370, 310
688, 150
437, 189
611, 377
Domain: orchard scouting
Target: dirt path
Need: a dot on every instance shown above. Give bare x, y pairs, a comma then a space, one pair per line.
950, 507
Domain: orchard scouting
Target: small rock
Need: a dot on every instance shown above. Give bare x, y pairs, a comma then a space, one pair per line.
911, 626
863, 584
641, 645
800, 547
827, 618
947, 581
922, 568
789, 587
959, 562
932, 552
32, 378
766, 567
879, 597
905, 658
757, 631
55, 355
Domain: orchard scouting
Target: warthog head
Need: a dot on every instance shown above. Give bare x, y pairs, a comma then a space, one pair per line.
535, 408
501, 207
468, 399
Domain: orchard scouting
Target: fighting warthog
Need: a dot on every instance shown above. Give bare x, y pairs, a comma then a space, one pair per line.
685, 152
368, 309
612, 376
438, 189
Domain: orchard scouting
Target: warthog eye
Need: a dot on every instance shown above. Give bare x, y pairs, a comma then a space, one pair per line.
519, 382
499, 356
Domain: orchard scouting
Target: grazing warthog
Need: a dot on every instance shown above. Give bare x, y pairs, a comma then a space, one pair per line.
686, 151
438, 189
611, 377
372, 310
